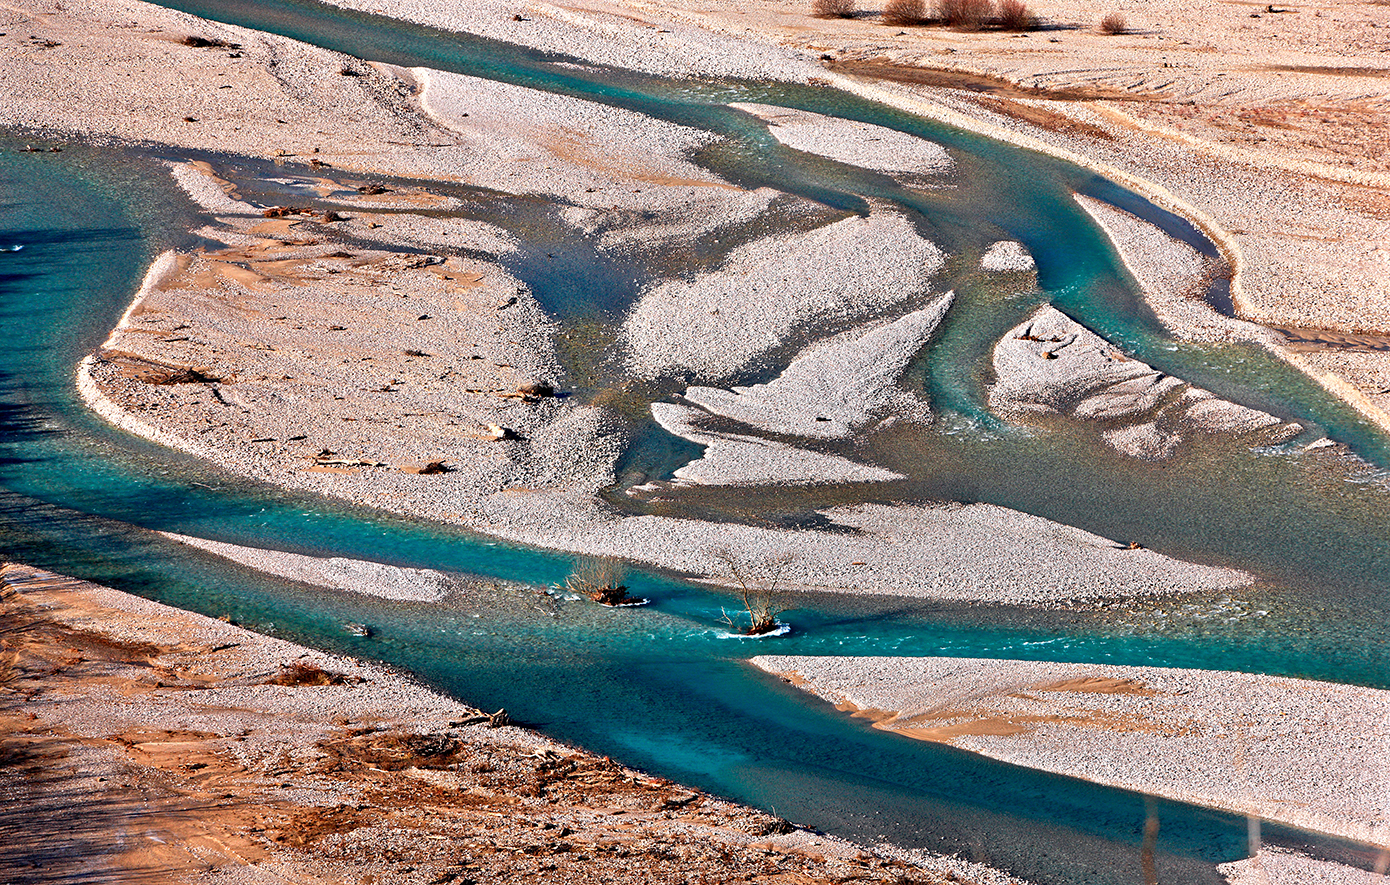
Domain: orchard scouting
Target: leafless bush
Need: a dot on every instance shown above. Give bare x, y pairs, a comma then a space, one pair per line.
301, 673
758, 579
905, 12
1113, 24
832, 8
968, 15
1015, 16
600, 578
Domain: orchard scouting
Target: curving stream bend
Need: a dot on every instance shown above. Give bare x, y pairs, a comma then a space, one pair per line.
656, 687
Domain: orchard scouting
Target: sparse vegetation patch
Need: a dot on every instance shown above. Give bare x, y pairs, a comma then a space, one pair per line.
905, 12
966, 15
833, 8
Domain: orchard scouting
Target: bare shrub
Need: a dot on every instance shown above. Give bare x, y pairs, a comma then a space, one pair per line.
758, 579
905, 12
301, 673
832, 8
600, 578
967, 15
1113, 24
1015, 16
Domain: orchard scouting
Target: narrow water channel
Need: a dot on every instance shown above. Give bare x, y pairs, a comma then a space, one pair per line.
657, 687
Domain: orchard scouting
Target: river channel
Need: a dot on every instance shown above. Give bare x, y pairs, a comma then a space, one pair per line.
659, 687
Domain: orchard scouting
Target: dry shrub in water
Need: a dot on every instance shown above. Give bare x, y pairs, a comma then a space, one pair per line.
758, 578
1014, 16
905, 12
968, 15
832, 8
1113, 24
600, 578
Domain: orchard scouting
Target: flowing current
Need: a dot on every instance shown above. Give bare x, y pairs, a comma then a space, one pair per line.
657, 687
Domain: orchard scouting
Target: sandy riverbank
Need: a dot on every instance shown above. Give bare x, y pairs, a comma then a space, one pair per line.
301, 330
1268, 129
1306, 753
204, 752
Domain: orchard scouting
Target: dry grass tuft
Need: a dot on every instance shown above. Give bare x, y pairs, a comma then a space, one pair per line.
301, 673
967, 15
905, 12
1113, 24
1014, 15
832, 8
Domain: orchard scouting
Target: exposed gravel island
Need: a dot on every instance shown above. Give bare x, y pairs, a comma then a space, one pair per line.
1302, 752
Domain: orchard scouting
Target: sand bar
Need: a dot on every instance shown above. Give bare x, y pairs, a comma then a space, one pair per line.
1312, 754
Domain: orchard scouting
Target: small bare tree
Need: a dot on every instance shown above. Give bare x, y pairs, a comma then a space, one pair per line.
1113, 24
905, 12
600, 578
757, 579
832, 8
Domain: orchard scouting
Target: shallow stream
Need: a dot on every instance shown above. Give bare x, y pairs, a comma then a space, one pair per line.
658, 687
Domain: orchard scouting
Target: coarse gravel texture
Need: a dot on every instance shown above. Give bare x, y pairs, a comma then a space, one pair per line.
1280, 866
739, 459
283, 97
144, 743
850, 141
504, 131
976, 552
1311, 754
1050, 364
333, 572
726, 320
604, 35
837, 387
1171, 274
1007, 256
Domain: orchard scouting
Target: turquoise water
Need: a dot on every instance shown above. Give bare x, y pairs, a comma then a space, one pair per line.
657, 687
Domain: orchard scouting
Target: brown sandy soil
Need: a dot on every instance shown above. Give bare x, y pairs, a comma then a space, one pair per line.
139, 743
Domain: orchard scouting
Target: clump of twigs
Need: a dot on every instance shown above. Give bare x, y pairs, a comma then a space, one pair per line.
1014, 15
600, 578
832, 8
905, 12
302, 673
1113, 24
965, 15
758, 579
